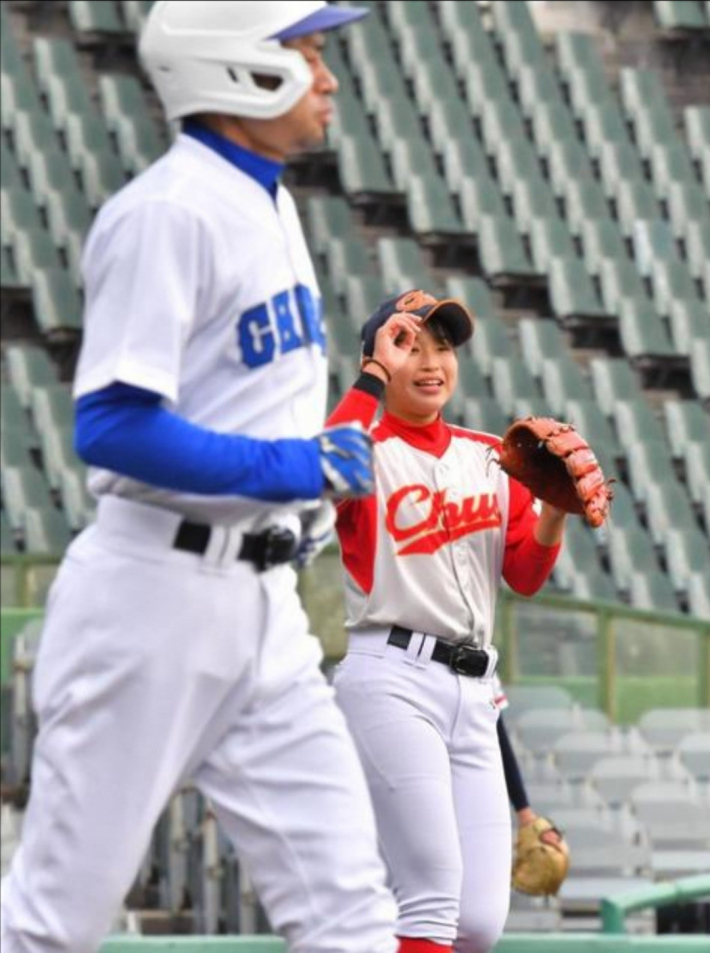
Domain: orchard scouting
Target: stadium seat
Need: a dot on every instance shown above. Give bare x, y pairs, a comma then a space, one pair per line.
432, 214
562, 380
475, 293
480, 198
539, 728
484, 413
95, 20
648, 462
693, 751
668, 507
620, 281
46, 532
697, 246
677, 16
567, 160
23, 488
28, 366
401, 264
549, 238
491, 340
77, 503
33, 251
686, 550
635, 421
643, 333
613, 379
584, 199
18, 213
501, 251
362, 294
670, 282
686, 423
586, 414
696, 120
630, 550
664, 728
56, 302
697, 468
689, 324
539, 340
362, 170
572, 294
32, 132
511, 380
328, 217
700, 367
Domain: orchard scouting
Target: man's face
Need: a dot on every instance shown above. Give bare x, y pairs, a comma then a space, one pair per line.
304, 126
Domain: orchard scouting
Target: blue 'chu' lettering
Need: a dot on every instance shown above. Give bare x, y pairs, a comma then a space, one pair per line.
289, 338
311, 310
271, 328
256, 337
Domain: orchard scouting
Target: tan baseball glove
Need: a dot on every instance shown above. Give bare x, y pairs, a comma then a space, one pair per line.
540, 863
558, 466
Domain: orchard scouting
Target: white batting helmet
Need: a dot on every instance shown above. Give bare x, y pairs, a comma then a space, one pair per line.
209, 55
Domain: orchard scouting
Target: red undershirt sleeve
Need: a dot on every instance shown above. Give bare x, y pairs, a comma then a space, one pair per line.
527, 564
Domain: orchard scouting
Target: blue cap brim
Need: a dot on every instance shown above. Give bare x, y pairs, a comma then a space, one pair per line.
329, 18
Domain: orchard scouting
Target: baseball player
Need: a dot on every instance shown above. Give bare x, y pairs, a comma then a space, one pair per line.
175, 644
423, 559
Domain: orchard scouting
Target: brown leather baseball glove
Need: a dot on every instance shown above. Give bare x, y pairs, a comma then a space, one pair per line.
558, 466
540, 858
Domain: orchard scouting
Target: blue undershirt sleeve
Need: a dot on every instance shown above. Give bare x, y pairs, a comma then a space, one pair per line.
127, 430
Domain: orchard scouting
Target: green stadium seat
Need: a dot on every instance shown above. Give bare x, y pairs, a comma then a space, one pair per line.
101, 176
32, 132
670, 162
697, 469
362, 170
56, 302
28, 366
696, 120
409, 158
432, 214
68, 97
510, 381
17, 94
52, 407
686, 550
697, 247
14, 447
490, 341
638, 88
46, 532
345, 256
540, 339
18, 213
501, 122
584, 200
49, 172
78, 504
572, 293
619, 161
501, 251
472, 381
700, 367
549, 238
532, 199
13, 413
328, 217
653, 592
479, 199
562, 380
33, 249
484, 414
635, 421
120, 96
397, 122
686, 423
652, 241
556, 138
668, 507
588, 89
475, 294
531, 407
8, 544
537, 84
688, 321
10, 175
465, 32
68, 214
362, 294
653, 125
643, 333
625, 512
680, 16
699, 601
576, 51
84, 134
601, 238
514, 163
686, 202
671, 282
96, 19
55, 57
630, 550
648, 462
619, 280
139, 142
10, 281
57, 450
23, 488
635, 201
402, 265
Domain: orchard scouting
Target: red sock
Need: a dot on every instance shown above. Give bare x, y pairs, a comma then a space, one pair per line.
408, 944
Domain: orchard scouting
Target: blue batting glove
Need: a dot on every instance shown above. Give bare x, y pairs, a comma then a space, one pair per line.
346, 460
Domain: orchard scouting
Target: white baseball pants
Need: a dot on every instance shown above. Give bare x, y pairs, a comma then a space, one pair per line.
157, 666
428, 741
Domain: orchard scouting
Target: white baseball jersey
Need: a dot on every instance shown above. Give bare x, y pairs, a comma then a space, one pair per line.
428, 550
215, 307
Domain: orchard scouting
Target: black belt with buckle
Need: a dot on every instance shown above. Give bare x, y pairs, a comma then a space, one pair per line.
273, 547
463, 659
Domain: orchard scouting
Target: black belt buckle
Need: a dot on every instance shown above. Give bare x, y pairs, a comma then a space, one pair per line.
468, 660
273, 547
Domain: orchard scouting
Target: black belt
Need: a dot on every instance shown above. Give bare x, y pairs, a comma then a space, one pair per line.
464, 659
273, 547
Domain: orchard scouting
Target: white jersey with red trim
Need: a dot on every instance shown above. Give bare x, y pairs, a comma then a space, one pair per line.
427, 551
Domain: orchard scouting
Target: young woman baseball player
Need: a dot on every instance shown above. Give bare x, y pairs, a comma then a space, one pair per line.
175, 644
423, 559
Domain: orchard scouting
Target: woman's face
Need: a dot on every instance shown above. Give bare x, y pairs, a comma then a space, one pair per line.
423, 385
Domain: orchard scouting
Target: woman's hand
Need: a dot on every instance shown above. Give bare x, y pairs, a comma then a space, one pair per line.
394, 341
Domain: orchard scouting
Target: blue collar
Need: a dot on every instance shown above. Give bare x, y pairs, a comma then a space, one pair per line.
264, 171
